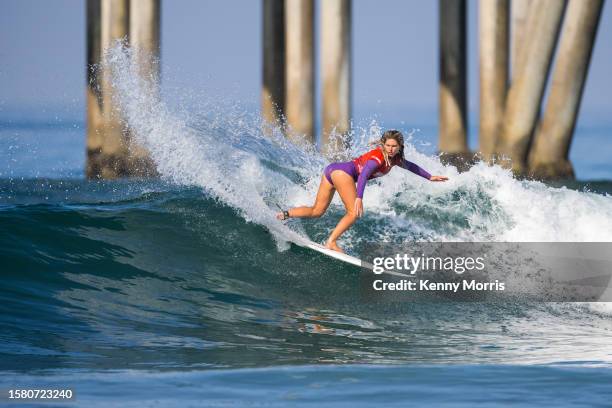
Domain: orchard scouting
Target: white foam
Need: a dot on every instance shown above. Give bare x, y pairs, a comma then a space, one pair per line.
224, 153
217, 161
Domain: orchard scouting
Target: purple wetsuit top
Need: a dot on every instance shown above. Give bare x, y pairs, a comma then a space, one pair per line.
370, 167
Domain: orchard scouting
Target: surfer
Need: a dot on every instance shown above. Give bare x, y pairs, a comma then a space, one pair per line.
389, 152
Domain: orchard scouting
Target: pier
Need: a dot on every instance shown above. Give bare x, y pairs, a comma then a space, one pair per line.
519, 42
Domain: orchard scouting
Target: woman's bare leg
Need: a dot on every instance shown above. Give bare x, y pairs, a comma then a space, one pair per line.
348, 193
324, 197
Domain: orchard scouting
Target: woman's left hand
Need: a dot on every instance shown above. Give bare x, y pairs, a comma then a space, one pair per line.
358, 207
438, 178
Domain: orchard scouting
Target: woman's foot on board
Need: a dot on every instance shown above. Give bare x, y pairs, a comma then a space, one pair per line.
334, 246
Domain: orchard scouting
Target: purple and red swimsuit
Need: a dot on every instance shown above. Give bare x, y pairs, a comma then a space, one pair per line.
371, 165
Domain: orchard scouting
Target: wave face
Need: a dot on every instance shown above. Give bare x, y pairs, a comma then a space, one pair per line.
194, 271
154, 275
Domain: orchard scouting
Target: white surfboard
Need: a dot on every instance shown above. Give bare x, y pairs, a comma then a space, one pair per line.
306, 243
329, 252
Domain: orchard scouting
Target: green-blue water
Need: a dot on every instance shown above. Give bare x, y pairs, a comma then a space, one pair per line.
103, 278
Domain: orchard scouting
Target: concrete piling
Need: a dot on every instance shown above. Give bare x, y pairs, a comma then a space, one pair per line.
527, 88
111, 152
273, 92
299, 48
145, 18
336, 73
453, 81
95, 118
144, 34
519, 15
494, 41
106, 147
548, 157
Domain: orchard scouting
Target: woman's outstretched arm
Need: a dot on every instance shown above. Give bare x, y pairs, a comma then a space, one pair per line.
368, 169
410, 166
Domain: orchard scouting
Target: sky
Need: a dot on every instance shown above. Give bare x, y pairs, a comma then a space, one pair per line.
217, 43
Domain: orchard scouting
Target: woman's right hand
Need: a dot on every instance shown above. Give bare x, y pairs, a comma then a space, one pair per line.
359, 207
438, 178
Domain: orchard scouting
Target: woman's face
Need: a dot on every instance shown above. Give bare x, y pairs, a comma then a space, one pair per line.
391, 147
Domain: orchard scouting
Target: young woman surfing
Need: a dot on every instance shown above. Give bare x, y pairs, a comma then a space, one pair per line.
343, 176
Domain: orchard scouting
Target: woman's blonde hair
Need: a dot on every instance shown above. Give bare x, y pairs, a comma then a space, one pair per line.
390, 134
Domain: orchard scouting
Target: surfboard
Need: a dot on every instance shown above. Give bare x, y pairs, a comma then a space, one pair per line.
306, 243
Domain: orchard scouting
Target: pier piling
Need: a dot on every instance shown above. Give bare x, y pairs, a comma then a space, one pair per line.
519, 10
299, 102
273, 92
110, 151
494, 40
145, 17
144, 37
527, 88
548, 157
453, 82
106, 147
95, 119
336, 73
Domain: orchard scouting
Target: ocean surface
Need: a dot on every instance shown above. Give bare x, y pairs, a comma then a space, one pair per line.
185, 290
